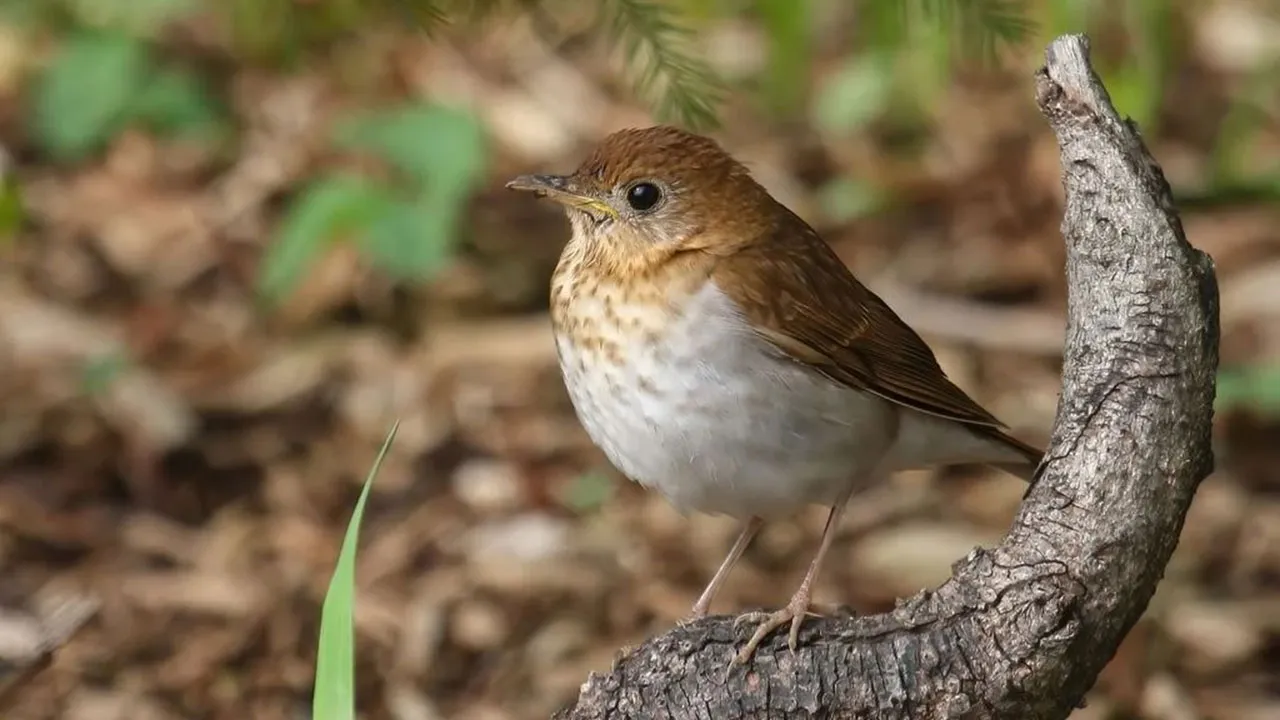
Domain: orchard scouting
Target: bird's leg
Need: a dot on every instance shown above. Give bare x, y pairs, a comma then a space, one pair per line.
749, 530
798, 607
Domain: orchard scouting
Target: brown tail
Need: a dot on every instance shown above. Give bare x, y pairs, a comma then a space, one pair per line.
1026, 470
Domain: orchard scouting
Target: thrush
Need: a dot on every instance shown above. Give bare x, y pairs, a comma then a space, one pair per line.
717, 350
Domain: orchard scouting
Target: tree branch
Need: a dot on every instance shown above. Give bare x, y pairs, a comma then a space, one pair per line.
1021, 630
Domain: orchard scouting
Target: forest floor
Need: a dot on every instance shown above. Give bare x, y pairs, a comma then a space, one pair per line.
169, 532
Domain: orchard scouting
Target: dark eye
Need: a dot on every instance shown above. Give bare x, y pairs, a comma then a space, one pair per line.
643, 196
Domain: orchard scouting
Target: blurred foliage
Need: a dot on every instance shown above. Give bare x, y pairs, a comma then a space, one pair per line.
407, 228
1255, 388
1233, 176
99, 372
84, 94
110, 72
104, 78
1139, 81
329, 208
587, 492
787, 23
657, 37
12, 212
679, 82
111, 69
334, 696
982, 27
288, 32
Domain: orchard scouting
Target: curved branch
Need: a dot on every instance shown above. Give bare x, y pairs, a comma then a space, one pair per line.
1021, 630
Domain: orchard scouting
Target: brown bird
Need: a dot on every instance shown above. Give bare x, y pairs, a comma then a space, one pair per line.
718, 351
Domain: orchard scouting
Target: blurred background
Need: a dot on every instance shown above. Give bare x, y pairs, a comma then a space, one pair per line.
239, 238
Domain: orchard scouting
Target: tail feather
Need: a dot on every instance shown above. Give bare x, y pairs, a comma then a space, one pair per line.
1026, 470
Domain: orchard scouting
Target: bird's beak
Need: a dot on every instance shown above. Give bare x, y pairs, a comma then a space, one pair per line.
560, 189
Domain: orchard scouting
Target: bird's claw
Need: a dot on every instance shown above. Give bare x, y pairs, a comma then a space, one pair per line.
794, 613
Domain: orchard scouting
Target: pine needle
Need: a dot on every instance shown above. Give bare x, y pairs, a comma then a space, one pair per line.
427, 15
679, 83
982, 25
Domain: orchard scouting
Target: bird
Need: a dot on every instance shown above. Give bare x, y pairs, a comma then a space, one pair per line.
717, 350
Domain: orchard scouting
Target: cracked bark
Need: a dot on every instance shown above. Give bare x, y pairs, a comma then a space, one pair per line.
1021, 630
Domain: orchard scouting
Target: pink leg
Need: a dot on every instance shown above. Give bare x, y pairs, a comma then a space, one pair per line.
798, 607
749, 530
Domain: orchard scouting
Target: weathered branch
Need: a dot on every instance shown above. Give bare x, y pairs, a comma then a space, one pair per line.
1021, 630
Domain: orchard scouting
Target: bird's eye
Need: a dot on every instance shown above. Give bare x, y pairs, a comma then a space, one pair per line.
643, 196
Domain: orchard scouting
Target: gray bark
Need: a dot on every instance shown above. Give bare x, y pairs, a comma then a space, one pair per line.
1021, 630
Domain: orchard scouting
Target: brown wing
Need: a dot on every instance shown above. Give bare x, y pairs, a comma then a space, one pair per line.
801, 298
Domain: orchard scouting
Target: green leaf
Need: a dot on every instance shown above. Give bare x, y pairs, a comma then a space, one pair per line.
331, 207
334, 696
855, 94
430, 143
176, 101
444, 151
82, 97
412, 241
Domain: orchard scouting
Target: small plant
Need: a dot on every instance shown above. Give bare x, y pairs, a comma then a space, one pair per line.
334, 694
409, 230
106, 76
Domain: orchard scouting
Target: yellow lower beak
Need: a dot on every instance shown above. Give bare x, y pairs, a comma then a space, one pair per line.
559, 189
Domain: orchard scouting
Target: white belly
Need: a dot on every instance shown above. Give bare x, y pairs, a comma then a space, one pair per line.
711, 419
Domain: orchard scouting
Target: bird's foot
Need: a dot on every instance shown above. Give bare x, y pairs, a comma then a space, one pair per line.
794, 613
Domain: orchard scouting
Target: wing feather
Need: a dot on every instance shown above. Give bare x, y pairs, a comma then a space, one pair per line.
800, 298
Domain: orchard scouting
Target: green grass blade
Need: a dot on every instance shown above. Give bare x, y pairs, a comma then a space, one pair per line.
334, 696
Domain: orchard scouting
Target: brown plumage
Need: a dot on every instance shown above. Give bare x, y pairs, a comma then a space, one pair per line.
800, 297
718, 351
